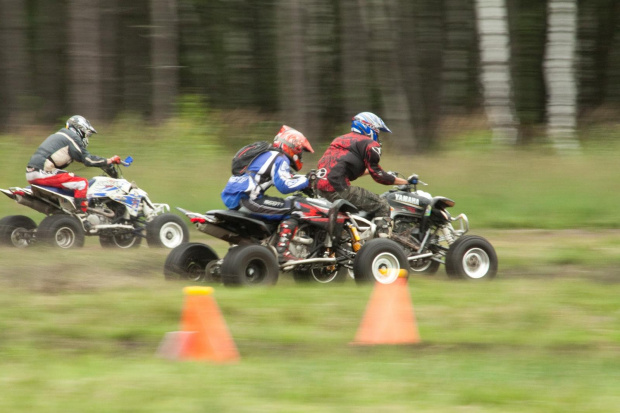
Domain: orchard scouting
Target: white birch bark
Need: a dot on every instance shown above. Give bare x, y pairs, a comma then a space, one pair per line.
559, 69
496, 79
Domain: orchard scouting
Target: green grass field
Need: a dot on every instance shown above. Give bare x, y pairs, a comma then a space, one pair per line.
79, 329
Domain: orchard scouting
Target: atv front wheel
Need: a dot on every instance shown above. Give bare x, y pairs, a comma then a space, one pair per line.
472, 258
166, 230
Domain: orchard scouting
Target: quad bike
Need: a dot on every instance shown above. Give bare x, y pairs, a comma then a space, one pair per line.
328, 244
424, 227
119, 213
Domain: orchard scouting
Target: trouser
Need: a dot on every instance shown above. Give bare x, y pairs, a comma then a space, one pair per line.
363, 199
368, 201
61, 179
270, 207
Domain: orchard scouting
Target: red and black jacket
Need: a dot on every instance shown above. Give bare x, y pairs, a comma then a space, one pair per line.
346, 159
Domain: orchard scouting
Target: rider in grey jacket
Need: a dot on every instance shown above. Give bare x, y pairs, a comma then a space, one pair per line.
58, 151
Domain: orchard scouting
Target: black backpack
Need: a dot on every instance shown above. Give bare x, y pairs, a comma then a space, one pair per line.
244, 157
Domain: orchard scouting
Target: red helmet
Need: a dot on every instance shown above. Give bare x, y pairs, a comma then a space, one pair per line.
292, 143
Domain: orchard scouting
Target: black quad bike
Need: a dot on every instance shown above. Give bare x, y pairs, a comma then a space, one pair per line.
424, 227
331, 243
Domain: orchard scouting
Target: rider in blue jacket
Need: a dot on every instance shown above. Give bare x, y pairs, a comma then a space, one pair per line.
247, 191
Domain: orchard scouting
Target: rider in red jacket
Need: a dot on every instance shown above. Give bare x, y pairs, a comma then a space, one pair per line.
351, 156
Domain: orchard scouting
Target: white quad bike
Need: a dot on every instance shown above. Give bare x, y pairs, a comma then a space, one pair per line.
119, 213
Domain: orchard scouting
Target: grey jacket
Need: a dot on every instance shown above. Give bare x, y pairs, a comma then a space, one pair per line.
62, 148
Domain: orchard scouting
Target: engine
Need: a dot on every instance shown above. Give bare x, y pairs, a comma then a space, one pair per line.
404, 232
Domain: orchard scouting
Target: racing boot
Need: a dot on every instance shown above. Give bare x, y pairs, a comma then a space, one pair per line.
286, 231
81, 204
384, 226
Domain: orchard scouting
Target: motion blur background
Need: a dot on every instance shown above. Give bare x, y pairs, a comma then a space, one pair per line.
527, 71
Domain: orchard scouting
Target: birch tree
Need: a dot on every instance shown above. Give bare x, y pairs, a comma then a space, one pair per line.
495, 78
560, 74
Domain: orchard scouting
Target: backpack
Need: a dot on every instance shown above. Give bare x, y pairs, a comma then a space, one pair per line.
244, 157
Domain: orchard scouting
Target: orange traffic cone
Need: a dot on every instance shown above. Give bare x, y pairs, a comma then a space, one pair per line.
389, 316
204, 334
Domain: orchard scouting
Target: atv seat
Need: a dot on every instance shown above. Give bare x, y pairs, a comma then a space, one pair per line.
62, 191
245, 222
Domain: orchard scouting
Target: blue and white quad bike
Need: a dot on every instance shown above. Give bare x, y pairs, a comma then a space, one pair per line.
119, 213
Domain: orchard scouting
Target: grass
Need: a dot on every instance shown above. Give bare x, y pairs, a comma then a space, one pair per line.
80, 328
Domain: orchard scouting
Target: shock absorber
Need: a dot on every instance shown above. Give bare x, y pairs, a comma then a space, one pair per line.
447, 233
355, 238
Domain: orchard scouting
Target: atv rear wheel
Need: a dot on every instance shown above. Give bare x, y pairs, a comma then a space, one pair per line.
379, 260
166, 230
16, 230
472, 258
190, 261
61, 231
250, 265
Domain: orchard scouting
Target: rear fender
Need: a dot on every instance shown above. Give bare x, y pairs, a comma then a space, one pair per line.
339, 207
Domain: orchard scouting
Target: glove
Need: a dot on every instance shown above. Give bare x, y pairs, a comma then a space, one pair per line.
308, 191
311, 176
115, 159
413, 179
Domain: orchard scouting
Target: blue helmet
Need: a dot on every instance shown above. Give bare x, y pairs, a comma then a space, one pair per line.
369, 124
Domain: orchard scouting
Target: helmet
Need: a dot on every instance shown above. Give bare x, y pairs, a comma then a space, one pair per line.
292, 143
81, 126
369, 124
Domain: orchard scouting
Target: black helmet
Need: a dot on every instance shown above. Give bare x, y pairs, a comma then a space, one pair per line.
81, 126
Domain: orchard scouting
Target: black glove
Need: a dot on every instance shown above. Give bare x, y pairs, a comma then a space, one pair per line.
308, 191
311, 176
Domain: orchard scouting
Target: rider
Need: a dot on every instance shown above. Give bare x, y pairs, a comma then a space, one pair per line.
247, 192
58, 151
353, 155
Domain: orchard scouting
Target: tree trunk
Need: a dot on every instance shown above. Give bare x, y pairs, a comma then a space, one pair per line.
84, 83
560, 75
135, 58
164, 57
496, 79
49, 65
291, 63
111, 85
14, 68
354, 55
421, 58
395, 107
459, 96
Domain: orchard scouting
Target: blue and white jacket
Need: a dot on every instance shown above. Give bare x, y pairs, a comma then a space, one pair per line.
269, 168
